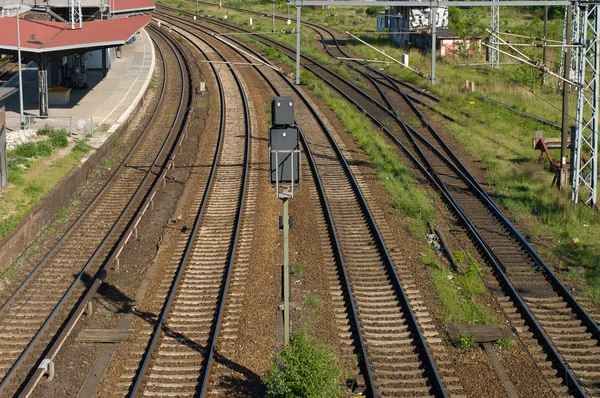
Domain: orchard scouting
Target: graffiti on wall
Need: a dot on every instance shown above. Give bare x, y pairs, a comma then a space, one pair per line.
420, 17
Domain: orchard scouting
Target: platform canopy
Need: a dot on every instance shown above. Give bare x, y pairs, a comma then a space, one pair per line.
115, 6
130, 6
39, 37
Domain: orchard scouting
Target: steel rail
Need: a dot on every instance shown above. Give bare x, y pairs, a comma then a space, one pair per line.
557, 359
467, 176
102, 272
160, 323
428, 361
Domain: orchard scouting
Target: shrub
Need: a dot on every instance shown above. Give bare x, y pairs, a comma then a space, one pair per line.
58, 137
371, 11
81, 146
307, 370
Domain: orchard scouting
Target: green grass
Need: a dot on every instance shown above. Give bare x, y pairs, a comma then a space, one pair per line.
498, 138
458, 292
81, 146
32, 177
505, 342
305, 369
314, 302
298, 270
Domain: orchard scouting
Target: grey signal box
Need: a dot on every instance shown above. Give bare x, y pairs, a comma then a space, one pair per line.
284, 159
282, 111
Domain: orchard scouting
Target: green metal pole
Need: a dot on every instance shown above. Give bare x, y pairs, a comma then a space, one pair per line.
286, 274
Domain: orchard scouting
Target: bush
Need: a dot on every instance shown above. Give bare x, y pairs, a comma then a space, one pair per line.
81, 146
371, 11
307, 370
58, 137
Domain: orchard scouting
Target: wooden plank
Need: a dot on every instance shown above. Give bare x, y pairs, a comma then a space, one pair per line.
481, 333
104, 335
504, 379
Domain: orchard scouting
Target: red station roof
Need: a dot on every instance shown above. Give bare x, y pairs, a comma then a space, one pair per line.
122, 6
46, 36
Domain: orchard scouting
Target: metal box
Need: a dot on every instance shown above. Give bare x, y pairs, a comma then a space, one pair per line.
282, 111
284, 159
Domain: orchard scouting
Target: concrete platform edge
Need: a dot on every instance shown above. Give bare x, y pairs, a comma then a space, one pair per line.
13, 244
142, 91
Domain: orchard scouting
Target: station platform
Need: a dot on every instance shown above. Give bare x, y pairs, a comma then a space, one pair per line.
103, 106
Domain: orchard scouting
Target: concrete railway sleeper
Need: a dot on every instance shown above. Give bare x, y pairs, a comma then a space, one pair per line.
534, 288
545, 283
180, 352
367, 275
35, 311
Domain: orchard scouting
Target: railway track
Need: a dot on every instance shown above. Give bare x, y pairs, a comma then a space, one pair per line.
387, 335
569, 336
32, 315
178, 345
573, 332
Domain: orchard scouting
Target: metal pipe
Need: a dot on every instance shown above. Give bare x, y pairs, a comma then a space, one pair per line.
286, 271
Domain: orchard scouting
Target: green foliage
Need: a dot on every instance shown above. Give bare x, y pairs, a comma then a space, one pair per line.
409, 200
32, 150
306, 370
153, 86
298, 270
81, 146
505, 342
465, 341
58, 137
458, 293
34, 190
372, 10
118, 143
314, 302
465, 22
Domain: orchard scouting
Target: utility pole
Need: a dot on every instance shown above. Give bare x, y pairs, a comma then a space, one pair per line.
273, 29
298, 8
563, 177
433, 40
544, 54
22, 116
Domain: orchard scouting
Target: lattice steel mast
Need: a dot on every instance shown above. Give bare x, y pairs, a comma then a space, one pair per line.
494, 58
584, 162
75, 14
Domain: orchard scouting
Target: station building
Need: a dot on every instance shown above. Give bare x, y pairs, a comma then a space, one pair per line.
65, 39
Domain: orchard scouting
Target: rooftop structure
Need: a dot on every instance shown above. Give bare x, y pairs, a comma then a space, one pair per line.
47, 36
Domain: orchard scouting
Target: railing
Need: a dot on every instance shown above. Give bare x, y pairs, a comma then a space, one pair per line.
80, 128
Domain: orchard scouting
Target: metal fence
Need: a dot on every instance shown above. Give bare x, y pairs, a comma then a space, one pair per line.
77, 128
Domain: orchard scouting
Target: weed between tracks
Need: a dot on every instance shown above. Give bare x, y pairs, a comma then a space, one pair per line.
458, 291
305, 369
